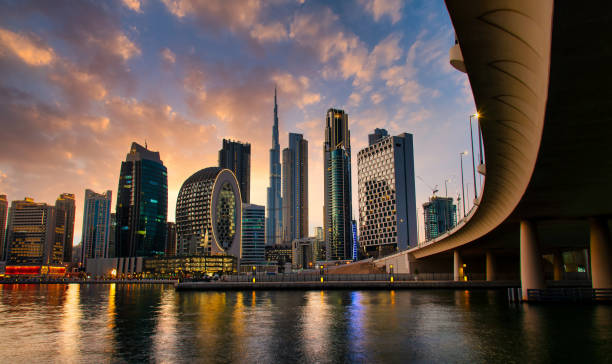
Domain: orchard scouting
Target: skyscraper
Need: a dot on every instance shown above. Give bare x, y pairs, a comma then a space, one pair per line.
274, 213
3, 215
387, 201
65, 207
236, 157
96, 225
295, 189
112, 240
142, 204
378, 135
171, 239
31, 234
253, 234
440, 215
337, 186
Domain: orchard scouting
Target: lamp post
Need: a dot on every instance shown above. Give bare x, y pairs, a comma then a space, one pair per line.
473, 162
462, 186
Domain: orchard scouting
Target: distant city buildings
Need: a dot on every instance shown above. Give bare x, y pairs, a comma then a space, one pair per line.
387, 202
236, 157
31, 240
378, 135
337, 186
65, 207
142, 204
319, 233
305, 252
274, 205
440, 215
170, 248
208, 214
253, 234
295, 189
96, 225
3, 216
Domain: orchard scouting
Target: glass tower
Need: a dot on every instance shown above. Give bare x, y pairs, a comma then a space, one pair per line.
253, 234
274, 218
236, 157
96, 225
142, 204
440, 216
295, 189
337, 186
65, 207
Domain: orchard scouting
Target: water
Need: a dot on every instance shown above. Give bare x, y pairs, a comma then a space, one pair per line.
153, 323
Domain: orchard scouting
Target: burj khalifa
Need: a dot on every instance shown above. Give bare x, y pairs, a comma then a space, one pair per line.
274, 212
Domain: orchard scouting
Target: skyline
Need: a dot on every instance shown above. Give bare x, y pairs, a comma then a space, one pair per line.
75, 95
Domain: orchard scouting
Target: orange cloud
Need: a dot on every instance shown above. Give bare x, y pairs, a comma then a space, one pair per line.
27, 48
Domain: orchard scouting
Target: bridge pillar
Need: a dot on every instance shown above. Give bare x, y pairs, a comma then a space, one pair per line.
601, 253
490, 260
458, 266
532, 274
558, 265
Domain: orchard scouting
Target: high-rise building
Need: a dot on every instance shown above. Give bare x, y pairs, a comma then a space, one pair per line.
378, 135
337, 186
171, 239
319, 233
274, 206
387, 202
3, 215
253, 234
65, 207
142, 204
208, 214
295, 189
440, 215
236, 157
31, 235
96, 225
112, 239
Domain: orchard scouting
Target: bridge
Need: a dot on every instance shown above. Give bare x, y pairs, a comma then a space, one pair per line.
540, 77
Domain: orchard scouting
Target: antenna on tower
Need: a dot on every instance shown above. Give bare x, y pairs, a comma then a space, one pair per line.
146, 144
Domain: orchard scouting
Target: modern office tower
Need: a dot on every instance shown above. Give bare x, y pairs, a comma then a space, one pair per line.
295, 189
112, 238
319, 233
236, 157
440, 215
253, 234
387, 202
171, 239
337, 186
3, 215
274, 212
65, 207
305, 253
142, 204
31, 234
96, 225
208, 214
355, 240
378, 135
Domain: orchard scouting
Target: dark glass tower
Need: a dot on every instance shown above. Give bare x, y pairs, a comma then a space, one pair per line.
274, 218
295, 189
337, 186
142, 204
236, 157
65, 207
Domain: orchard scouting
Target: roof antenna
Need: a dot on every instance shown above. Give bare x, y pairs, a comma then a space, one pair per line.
146, 144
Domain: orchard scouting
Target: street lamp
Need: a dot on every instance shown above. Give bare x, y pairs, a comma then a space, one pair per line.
462, 186
473, 162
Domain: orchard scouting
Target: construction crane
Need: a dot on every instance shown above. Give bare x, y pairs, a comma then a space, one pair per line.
434, 190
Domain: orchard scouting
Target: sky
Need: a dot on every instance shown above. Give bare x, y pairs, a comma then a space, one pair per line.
81, 80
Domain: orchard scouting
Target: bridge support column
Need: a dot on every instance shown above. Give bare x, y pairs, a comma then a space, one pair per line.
601, 254
532, 274
490, 262
558, 268
458, 266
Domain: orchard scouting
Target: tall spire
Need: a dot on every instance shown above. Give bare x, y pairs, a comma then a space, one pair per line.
274, 218
275, 127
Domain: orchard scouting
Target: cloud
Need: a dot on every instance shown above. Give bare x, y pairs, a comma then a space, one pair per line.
28, 48
380, 8
274, 32
132, 5
217, 14
168, 56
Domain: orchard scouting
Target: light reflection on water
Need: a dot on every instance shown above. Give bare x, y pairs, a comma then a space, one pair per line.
140, 323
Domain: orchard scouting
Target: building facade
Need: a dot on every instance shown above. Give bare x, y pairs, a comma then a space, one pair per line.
208, 214
96, 225
274, 201
253, 234
142, 204
170, 249
387, 201
3, 216
31, 235
65, 207
295, 189
236, 157
337, 186
306, 252
440, 215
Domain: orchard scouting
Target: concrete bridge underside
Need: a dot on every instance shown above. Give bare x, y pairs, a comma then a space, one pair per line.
539, 72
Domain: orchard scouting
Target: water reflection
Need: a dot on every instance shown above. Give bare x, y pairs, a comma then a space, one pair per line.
147, 323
